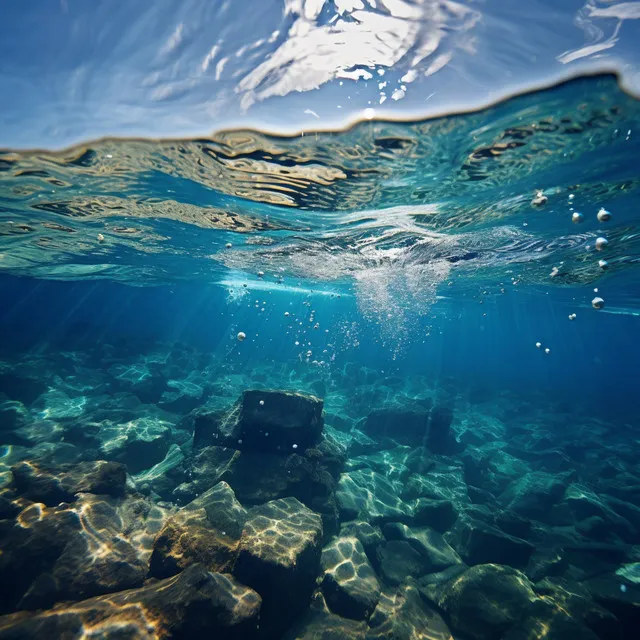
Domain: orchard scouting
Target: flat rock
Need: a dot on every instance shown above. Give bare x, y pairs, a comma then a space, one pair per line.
349, 583
193, 604
372, 495
279, 557
206, 531
485, 601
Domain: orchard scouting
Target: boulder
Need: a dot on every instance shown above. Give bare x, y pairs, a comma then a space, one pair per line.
399, 560
401, 613
349, 583
52, 485
193, 604
66, 552
370, 536
534, 494
435, 552
279, 557
485, 601
481, 543
264, 421
207, 531
437, 514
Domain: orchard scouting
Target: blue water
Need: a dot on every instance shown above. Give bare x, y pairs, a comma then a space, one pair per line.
297, 379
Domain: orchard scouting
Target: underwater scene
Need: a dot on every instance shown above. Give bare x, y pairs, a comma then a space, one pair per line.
375, 381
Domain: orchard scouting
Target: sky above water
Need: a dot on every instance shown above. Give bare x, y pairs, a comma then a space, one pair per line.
72, 70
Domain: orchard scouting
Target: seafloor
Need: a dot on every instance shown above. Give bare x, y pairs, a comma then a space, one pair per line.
141, 502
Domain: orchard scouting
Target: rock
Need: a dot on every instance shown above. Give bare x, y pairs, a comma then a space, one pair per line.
546, 562
485, 601
324, 625
52, 485
23, 389
203, 470
193, 604
159, 478
585, 504
440, 439
279, 557
513, 524
372, 495
552, 620
370, 536
139, 443
534, 494
621, 597
66, 552
480, 543
284, 422
349, 583
207, 531
569, 610
401, 614
405, 427
437, 514
398, 560
432, 547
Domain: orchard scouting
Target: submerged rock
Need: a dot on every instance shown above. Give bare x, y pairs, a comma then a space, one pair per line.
485, 601
349, 583
401, 613
207, 531
194, 604
66, 552
434, 551
481, 543
52, 485
264, 421
372, 495
279, 557
319, 623
415, 427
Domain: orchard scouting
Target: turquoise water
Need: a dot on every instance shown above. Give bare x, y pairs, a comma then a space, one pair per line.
374, 382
